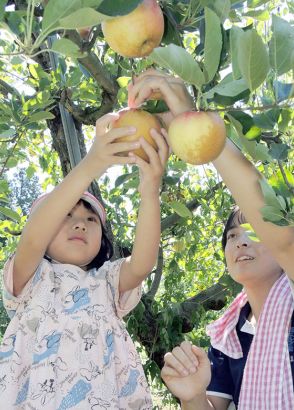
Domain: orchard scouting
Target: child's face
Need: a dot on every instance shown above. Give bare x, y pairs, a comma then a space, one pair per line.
79, 238
248, 261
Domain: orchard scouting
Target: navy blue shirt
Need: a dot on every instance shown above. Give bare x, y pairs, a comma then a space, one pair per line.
227, 373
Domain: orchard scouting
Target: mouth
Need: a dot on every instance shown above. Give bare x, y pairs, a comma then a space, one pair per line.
78, 239
244, 258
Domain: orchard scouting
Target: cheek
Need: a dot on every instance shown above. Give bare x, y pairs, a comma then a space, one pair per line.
228, 253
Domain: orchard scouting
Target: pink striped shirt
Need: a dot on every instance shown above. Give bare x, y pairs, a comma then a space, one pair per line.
267, 384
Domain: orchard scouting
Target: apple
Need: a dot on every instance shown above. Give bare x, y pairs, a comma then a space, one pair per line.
143, 121
136, 34
197, 137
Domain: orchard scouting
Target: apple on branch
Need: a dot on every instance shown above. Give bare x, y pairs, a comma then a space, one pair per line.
197, 137
143, 121
136, 34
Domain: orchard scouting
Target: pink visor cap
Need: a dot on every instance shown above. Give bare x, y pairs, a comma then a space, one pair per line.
87, 197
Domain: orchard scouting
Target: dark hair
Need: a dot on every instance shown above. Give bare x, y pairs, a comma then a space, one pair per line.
106, 249
235, 219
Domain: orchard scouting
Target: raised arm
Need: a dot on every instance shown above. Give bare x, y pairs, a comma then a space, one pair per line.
46, 220
242, 179
239, 175
147, 235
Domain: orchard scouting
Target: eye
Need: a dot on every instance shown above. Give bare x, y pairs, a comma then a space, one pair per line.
69, 215
92, 219
231, 235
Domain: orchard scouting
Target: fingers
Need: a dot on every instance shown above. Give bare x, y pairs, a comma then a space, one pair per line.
182, 359
161, 142
139, 92
103, 123
186, 359
116, 133
157, 158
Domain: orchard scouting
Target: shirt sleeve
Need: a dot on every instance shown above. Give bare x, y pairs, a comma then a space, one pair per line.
221, 379
10, 301
291, 285
126, 301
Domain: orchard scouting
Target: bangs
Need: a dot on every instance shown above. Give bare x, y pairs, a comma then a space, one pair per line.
235, 219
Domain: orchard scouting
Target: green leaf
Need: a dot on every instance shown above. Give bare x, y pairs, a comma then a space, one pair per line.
253, 59
283, 91
3, 186
39, 116
181, 209
259, 152
67, 48
262, 15
250, 232
253, 133
235, 34
56, 10
213, 43
12, 162
121, 179
2, 8
277, 181
281, 50
118, 7
228, 87
222, 8
267, 120
279, 151
7, 134
271, 214
30, 171
85, 17
9, 213
256, 3
269, 195
178, 60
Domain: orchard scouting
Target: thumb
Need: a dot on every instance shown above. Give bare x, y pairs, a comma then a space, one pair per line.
103, 123
201, 355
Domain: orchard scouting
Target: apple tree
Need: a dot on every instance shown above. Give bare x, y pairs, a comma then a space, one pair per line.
59, 75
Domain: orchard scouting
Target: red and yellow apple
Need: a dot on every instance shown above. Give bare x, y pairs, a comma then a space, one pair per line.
197, 137
143, 121
136, 34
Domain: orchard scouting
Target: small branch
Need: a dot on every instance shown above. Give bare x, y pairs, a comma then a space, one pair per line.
157, 277
253, 108
9, 156
173, 219
289, 185
8, 88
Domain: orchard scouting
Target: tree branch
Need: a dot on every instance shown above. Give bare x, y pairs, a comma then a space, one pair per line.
173, 219
8, 89
157, 278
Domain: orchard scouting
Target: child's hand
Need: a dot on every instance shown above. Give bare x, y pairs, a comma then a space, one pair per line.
151, 173
172, 90
104, 150
186, 371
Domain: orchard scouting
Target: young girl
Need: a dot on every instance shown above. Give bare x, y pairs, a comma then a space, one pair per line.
251, 359
66, 345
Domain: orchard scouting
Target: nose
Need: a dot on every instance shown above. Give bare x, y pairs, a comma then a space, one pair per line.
79, 225
243, 241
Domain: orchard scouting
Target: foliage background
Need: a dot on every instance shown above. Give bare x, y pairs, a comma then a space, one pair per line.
236, 57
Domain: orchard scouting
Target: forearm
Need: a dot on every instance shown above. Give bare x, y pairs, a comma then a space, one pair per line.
147, 237
200, 402
242, 179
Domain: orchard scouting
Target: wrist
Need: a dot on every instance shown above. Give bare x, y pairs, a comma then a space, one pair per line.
199, 401
93, 166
